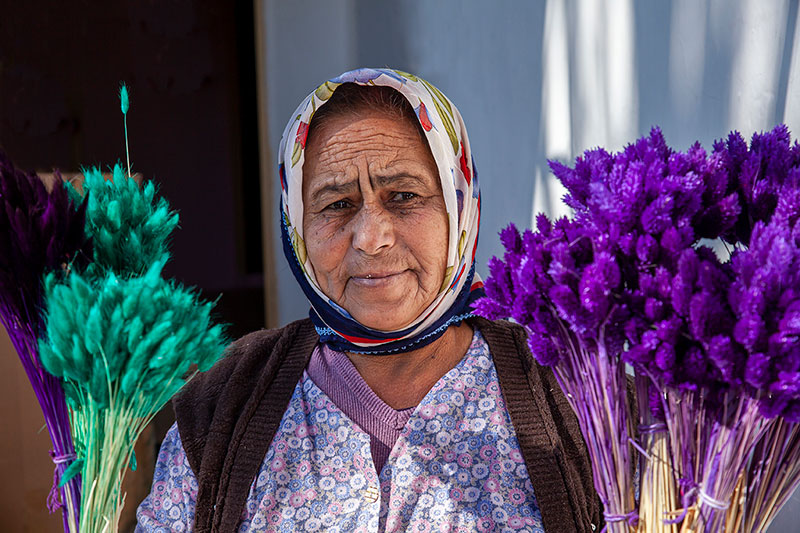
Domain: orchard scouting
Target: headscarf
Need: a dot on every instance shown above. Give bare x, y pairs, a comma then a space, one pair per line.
447, 138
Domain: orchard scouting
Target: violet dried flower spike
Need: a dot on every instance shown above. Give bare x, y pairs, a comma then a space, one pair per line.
761, 174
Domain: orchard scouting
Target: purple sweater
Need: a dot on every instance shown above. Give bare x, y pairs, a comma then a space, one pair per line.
336, 376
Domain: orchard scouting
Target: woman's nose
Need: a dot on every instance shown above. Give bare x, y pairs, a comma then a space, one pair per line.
373, 230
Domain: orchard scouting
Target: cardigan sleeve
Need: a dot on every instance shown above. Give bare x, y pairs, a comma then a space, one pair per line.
170, 506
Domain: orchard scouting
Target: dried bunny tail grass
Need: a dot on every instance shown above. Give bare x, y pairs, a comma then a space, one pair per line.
132, 333
131, 225
123, 347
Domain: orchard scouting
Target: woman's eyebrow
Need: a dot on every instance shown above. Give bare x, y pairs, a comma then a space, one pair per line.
396, 180
334, 189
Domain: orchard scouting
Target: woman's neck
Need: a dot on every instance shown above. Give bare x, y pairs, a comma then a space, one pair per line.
403, 379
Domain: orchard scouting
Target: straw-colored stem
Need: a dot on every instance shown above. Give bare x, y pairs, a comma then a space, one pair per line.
735, 516
658, 492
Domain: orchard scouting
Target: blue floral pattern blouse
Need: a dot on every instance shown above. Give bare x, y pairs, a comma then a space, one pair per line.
457, 466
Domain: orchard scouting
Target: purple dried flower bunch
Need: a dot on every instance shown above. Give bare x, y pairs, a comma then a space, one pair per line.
41, 231
630, 248
765, 177
630, 278
635, 246
765, 296
559, 282
765, 292
654, 205
549, 281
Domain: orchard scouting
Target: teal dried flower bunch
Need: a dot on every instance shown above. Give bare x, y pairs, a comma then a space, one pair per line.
130, 225
122, 348
118, 335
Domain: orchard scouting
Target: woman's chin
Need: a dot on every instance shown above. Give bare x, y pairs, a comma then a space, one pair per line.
387, 304
385, 314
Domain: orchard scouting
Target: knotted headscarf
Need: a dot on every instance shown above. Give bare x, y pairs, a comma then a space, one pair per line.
447, 138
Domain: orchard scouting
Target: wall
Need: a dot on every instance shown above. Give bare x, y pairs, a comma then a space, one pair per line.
539, 80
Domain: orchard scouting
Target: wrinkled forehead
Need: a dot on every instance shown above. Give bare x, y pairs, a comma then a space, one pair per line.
423, 99
378, 146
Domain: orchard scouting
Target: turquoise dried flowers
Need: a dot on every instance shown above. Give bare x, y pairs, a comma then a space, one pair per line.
120, 337
130, 224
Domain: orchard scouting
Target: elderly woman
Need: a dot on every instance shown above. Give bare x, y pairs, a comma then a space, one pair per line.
392, 408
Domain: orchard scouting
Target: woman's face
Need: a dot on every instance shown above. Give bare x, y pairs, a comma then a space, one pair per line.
374, 221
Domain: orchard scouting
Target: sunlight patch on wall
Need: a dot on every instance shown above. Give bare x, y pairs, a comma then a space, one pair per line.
791, 111
756, 65
620, 74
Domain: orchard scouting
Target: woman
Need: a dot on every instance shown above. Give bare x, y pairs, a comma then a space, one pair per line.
392, 408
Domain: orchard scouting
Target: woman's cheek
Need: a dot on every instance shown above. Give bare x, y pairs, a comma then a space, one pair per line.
323, 227
326, 242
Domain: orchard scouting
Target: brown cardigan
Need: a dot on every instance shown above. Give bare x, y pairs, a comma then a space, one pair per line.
228, 416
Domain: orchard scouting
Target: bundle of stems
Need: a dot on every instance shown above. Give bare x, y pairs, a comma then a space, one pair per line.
726, 442
770, 480
658, 492
50, 396
710, 449
123, 348
107, 435
594, 383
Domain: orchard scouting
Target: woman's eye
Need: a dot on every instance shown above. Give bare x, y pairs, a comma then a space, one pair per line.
339, 204
404, 196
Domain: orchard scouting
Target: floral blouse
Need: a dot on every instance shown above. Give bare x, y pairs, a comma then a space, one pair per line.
456, 466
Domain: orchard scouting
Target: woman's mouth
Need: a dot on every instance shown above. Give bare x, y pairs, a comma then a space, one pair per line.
375, 279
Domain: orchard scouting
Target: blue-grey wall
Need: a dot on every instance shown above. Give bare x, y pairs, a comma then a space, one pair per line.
548, 79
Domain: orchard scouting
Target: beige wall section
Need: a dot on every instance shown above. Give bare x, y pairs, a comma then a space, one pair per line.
25, 467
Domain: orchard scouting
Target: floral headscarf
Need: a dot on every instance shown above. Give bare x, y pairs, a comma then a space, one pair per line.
447, 138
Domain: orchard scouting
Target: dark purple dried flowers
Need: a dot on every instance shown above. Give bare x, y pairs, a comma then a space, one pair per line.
760, 175
765, 297
631, 249
40, 232
560, 282
555, 278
